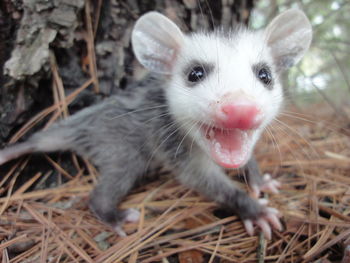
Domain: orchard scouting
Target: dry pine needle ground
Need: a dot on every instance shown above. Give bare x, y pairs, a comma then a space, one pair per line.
308, 155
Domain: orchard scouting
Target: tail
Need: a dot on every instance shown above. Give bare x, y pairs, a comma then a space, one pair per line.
55, 139
15, 151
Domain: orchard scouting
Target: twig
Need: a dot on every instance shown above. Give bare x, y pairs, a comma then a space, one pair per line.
345, 77
91, 47
261, 248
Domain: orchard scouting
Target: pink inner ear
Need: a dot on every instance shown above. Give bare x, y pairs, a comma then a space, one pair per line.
289, 37
168, 59
156, 41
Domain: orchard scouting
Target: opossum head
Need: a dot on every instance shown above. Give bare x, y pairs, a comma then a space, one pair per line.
223, 87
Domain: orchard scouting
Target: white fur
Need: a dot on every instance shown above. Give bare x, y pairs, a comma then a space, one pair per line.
168, 51
232, 76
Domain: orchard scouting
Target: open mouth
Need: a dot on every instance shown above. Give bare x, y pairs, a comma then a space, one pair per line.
230, 148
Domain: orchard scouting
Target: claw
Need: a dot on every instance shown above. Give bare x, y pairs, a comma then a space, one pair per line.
265, 227
273, 216
118, 229
255, 191
248, 225
131, 215
269, 185
273, 210
274, 221
268, 221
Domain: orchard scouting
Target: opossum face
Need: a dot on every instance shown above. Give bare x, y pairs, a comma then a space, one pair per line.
229, 87
223, 89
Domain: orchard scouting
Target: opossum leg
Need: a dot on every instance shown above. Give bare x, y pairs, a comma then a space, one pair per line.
213, 183
259, 183
117, 178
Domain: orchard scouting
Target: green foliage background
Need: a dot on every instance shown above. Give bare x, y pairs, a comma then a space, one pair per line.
324, 73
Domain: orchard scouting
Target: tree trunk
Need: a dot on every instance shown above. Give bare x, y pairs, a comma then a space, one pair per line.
84, 40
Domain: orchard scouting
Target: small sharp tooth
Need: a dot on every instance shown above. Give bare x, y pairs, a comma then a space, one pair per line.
211, 133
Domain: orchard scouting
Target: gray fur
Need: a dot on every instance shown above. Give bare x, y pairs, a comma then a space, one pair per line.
142, 128
127, 135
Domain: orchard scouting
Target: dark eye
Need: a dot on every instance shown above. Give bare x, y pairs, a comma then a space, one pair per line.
264, 75
196, 74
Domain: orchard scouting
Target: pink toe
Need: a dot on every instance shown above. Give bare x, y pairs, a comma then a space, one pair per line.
277, 183
248, 225
118, 229
256, 191
132, 215
263, 201
274, 221
267, 177
273, 211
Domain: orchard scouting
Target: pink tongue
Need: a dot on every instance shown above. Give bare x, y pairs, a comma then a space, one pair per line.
229, 148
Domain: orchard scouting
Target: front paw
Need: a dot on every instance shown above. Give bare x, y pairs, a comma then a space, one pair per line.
266, 221
268, 185
130, 215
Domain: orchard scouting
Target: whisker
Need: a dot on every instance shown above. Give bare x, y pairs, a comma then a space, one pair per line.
292, 152
304, 118
177, 128
138, 110
276, 145
297, 133
189, 130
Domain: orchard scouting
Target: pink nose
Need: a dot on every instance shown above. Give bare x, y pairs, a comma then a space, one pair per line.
243, 116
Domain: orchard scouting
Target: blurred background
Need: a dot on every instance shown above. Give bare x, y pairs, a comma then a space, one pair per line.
324, 73
59, 56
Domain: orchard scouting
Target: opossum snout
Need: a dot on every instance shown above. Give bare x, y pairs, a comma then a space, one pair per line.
243, 115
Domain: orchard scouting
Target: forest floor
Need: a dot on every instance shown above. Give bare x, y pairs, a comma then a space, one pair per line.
44, 216
309, 155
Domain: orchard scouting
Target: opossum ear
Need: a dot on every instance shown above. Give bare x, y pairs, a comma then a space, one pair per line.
289, 36
156, 41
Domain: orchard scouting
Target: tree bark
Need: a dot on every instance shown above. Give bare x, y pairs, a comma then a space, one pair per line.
32, 29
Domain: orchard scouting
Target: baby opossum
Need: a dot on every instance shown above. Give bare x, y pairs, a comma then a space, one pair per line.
204, 106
